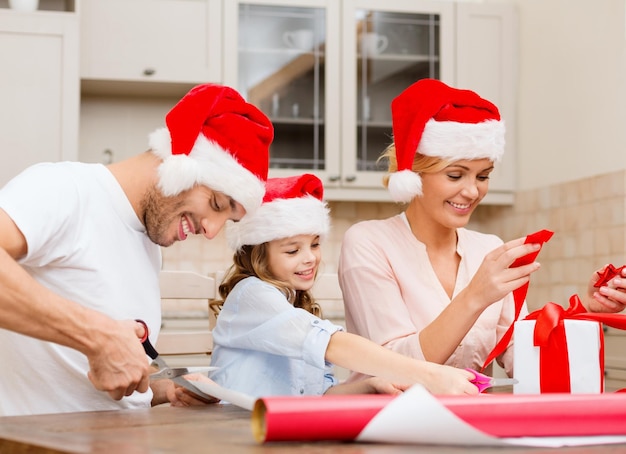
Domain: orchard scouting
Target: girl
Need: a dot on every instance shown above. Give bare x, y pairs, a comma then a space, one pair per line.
270, 338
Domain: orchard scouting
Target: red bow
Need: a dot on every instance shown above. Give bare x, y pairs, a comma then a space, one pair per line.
607, 274
549, 336
519, 295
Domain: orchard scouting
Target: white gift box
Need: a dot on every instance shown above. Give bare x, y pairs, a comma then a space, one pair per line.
583, 348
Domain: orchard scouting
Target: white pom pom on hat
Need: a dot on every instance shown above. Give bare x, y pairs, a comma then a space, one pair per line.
217, 139
434, 119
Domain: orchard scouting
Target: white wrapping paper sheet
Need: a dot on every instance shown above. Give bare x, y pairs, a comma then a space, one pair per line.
417, 417
226, 395
583, 348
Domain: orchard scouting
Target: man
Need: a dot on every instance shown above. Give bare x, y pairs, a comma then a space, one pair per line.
80, 253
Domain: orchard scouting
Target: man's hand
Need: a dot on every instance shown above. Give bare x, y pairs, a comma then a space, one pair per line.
118, 365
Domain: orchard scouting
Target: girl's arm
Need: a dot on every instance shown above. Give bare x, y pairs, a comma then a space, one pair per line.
362, 355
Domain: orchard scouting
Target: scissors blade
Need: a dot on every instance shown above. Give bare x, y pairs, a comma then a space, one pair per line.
503, 381
173, 372
181, 381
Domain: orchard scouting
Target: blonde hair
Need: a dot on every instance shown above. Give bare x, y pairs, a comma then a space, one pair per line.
421, 163
254, 261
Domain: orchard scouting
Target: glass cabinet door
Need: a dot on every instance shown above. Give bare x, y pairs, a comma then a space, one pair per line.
392, 50
281, 68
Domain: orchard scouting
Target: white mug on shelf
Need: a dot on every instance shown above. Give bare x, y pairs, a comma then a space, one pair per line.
373, 43
24, 5
299, 39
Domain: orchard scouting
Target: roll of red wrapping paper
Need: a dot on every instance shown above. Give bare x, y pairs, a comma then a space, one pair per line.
343, 417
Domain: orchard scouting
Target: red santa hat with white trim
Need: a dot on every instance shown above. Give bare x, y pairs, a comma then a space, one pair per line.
216, 139
433, 119
291, 206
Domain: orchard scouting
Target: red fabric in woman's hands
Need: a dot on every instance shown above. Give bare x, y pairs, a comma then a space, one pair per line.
519, 294
607, 274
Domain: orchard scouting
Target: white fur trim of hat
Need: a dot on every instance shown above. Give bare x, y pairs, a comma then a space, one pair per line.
280, 218
207, 164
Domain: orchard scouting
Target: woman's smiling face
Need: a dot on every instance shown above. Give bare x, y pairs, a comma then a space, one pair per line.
452, 194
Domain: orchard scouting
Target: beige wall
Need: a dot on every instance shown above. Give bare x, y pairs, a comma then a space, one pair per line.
572, 90
588, 217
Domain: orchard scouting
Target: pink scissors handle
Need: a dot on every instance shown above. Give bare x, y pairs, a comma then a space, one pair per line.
481, 381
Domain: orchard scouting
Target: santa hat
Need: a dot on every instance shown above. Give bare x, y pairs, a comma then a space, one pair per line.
291, 206
216, 139
433, 119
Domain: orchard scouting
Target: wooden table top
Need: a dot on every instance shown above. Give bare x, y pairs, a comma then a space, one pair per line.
164, 429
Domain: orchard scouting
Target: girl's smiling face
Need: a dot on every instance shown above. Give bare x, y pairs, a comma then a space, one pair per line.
294, 260
452, 194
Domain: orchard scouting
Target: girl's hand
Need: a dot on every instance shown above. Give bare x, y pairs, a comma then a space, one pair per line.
181, 397
444, 380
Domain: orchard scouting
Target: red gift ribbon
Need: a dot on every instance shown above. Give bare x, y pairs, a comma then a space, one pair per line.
549, 336
519, 295
607, 274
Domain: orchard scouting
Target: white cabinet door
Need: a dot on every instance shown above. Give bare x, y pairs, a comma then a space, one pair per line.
151, 40
283, 56
39, 89
487, 49
414, 40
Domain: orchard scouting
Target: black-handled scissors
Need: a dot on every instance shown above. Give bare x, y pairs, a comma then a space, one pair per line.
174, 374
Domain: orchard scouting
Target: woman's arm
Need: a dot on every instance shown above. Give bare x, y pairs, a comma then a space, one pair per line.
492, 282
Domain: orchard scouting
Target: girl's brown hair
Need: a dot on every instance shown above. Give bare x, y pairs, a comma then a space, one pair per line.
253, 261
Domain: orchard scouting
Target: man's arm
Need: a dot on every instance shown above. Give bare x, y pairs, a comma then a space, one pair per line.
117, 361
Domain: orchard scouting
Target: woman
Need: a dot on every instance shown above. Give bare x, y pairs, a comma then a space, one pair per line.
421, 283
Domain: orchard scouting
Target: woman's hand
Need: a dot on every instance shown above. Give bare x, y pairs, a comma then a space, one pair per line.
370, 385
495, 279
611, 297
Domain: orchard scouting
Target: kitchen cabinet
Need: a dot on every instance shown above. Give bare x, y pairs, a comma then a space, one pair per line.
39, 88
149, 46
487, 62
325, 72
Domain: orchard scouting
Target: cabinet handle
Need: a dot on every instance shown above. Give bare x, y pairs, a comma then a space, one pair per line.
333, 178
149, 71
108, 156
350, 178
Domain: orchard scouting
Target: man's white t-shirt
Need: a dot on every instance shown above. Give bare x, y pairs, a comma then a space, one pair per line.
86, 244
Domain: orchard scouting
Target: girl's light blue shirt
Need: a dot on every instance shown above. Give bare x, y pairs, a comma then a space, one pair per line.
264, 346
